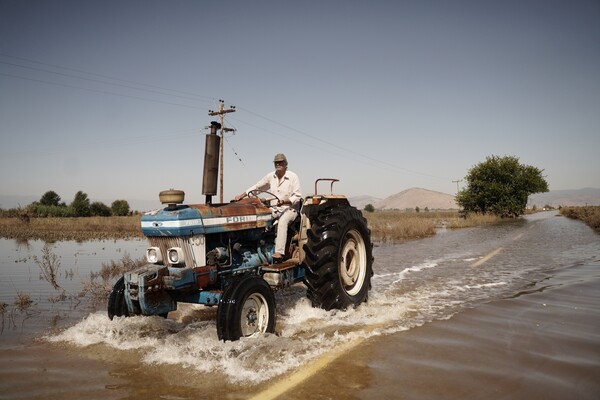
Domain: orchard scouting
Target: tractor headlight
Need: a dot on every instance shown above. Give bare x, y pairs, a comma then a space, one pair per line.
153, 255
176, 255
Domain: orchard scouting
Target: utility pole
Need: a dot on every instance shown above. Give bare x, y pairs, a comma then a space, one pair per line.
221, 113
457, 181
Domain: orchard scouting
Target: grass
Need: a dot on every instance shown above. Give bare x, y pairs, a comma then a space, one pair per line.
386, 226
590, 215
100, 284
79, 229
49, 265
399, 226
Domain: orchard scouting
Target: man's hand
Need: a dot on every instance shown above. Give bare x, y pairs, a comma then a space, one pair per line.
240, 196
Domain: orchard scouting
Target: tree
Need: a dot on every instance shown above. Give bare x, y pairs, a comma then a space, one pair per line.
81, 205
120, 207
369, 208
100, 209
501, 186
50, 198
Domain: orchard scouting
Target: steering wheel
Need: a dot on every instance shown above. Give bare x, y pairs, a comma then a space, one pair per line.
266, 202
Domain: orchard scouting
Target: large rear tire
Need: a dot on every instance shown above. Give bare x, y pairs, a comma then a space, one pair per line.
339, 258
246, 308
117, 307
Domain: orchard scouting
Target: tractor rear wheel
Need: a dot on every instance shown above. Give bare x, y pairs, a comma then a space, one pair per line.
117, 307
246, 308
339, 258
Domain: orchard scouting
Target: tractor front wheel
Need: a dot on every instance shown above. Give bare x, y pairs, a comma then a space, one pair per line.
247, 308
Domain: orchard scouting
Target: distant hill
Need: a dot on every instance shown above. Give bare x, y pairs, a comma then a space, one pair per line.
572, 198
361, 201
418, 197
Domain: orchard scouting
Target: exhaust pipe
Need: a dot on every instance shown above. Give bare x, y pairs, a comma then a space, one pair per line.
211, 162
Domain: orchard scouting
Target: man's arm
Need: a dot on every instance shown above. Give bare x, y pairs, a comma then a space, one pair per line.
262, 184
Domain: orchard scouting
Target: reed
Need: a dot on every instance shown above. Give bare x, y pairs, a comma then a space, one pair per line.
399, 226
386, 226
590, 215
23, 301
49, 265
396, 226
471, 220
97, 290
79, 229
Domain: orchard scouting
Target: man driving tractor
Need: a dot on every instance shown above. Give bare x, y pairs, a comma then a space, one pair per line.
285, 186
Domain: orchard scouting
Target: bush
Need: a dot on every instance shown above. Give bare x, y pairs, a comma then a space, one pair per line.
50, 198
100, 209
501, 186
81, 204
40, 210
120, 208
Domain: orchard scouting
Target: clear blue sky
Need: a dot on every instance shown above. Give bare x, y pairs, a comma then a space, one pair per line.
112, 97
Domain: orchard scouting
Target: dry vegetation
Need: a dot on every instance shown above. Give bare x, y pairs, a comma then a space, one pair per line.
386, 226
398, 226
589, 215
80, 229
100, 284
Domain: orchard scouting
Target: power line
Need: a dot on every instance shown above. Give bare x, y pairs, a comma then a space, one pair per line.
99, 81
342, 148
199, 97
99, 91
194, 98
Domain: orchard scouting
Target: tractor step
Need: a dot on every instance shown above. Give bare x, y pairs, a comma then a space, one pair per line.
282, 266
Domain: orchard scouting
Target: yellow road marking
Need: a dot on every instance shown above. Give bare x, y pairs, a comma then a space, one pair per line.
486, 258
518, 236
305, 372
296, 378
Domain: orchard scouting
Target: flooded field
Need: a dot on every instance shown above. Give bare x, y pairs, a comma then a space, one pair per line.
509, 311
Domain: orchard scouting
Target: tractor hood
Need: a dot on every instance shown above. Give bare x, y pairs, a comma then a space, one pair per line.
202, 219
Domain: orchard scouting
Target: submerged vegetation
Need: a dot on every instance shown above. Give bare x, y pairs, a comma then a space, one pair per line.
590, 215
100, 284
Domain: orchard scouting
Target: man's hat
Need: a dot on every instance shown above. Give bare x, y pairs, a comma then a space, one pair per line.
280, 157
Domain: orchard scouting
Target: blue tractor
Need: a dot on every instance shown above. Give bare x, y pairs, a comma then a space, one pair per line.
221, 255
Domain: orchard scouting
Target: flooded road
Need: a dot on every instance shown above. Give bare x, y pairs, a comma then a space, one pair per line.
506, 311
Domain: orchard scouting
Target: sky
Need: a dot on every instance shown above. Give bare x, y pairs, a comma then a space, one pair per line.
112, 97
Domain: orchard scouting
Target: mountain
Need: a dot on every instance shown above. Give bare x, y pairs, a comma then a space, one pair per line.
418, 197
361, 201
573, 198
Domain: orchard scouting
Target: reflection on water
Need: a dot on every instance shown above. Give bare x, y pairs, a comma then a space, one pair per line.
414, 284
30, 302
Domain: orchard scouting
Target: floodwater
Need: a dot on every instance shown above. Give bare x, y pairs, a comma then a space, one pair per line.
510, 311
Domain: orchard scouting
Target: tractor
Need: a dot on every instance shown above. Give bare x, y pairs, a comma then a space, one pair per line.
221, 255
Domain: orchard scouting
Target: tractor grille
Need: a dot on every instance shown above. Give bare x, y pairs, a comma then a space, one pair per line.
165, 243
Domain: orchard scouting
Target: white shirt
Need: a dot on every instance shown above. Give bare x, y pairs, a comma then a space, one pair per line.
286, 188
